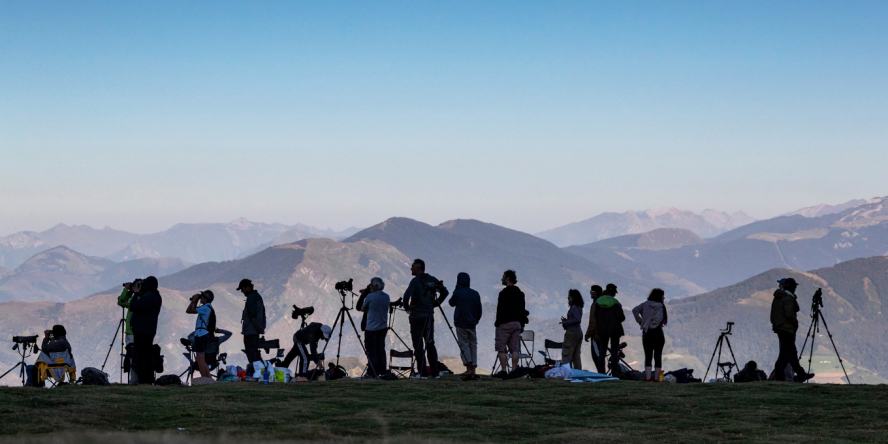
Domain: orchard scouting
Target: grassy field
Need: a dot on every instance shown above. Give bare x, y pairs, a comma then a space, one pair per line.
447, 410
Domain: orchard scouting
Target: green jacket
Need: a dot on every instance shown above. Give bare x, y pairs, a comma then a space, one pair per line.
784, 312
124, 301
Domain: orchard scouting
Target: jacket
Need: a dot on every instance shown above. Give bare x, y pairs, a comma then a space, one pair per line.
574, 318
310, 335
590, 330
609, 317
650, 314
124, 300
510, 307
253, 316
55, 345
360, 307
784, 309
466, 303
145, 308
420, 298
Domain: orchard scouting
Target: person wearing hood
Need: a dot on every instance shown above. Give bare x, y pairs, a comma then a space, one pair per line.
252, 322
651, 316
420, 302
466, 315
145, 307
591, 336
609, 319
785, 322
573, 333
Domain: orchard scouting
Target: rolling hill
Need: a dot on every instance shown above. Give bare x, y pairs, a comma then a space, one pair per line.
17, 248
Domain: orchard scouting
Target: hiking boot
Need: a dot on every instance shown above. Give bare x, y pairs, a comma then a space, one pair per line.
802, 377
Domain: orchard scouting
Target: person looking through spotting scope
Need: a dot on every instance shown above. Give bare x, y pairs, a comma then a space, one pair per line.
511, 317
651, 316
145, 307
466, 314
126, 295
204, 327
252, 322
591, 335
375, 307
785, 322
609, 319
573, 333
420, 302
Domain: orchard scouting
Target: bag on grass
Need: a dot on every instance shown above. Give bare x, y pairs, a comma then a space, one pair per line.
93, 376
168, 380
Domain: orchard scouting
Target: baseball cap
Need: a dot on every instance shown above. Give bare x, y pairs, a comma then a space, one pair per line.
781, 281
243, 283
611, 287
208, 295
326, 331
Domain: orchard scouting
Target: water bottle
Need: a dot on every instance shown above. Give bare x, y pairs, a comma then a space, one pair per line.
265, 376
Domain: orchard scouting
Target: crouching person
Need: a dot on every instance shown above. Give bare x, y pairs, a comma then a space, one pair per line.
305, 340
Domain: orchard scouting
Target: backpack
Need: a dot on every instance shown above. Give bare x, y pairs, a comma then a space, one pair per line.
168, 380
338, 373
93, 376
158, 360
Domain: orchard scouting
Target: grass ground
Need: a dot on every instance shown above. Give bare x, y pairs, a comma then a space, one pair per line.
447, 410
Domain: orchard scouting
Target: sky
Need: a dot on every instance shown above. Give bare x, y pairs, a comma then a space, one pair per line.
531, 115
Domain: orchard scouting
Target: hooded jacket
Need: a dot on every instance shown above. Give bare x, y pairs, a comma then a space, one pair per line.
650, 314
466, 303
253, 316
784, 312
609, 317
145, 307
420, 298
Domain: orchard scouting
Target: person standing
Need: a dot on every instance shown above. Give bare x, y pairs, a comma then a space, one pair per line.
466, 315
609, 319
420, 302
591, 335
511, 317
375, 307
785, 322
252, 322
651, 316
126, 296
204, 327
573, 333
145, 307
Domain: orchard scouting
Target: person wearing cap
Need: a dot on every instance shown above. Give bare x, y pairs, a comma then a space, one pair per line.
204, 327
145, 306
609, 319
376, 307
592, 336
785, 322
252, 322
308, 336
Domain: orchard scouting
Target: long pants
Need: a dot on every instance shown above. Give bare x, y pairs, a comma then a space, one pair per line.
788, 354
573, 343
251, 348
374, 341
143, 347
298, 351
653, 342
597, 355
611, 345
133, 376
422, 332
467, 338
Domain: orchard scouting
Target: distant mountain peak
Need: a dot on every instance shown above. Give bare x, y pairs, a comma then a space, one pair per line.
826, 209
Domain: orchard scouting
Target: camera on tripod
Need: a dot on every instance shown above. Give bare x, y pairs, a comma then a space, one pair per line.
25, 339
302, 312
343, 286
727, 330
397, 304
817, 300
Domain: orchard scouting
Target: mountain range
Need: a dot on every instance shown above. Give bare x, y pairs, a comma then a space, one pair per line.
709, 223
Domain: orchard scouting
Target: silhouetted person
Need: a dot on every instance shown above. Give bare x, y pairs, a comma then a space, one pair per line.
573, 333
145, 307
651, 317
785, 322
420, 302
204, 327
305, 346
126, 295
609, 319
511, 317
252, 322
375, 307
466, 314
591, 335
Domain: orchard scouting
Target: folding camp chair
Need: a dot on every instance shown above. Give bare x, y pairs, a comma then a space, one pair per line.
549, 346
400, 370
54, 367
524, 359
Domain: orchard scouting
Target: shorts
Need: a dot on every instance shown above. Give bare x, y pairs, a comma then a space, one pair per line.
200, 344
508, 336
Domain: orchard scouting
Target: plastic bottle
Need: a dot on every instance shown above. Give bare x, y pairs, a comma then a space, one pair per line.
265, 376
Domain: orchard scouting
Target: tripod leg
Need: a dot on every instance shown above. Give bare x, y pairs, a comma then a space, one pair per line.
461, 353
731, 349
717, 346
120, 325
815, 329
842, 363
358, 335
333, 327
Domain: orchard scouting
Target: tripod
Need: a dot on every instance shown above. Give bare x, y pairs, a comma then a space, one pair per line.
724, 367
814, 328
24, 351
340, 322
121, 328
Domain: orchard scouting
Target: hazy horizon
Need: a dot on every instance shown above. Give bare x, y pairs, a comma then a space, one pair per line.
523, 114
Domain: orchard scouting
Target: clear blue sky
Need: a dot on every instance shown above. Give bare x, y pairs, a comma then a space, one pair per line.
138, 115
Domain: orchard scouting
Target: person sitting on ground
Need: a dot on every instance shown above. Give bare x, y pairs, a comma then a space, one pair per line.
205, 327
375, 307
308, 336
466, 314
592, 336
573, 333
609, 319
785, 322
511, 317
651, 316
750, 373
